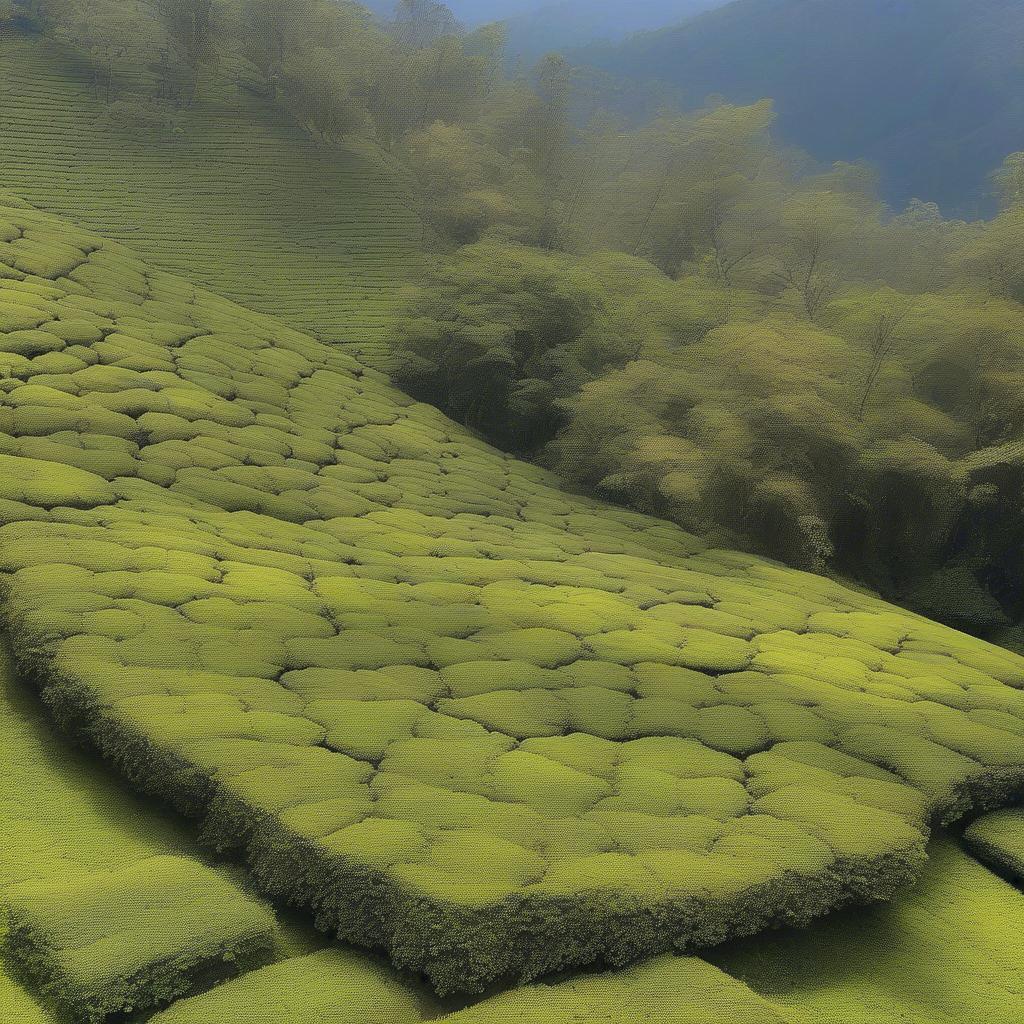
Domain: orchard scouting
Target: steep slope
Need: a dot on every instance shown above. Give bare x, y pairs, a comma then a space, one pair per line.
234, 196
459, 715
929, 90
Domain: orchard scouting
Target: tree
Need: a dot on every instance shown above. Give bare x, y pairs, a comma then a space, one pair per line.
189, 28
718, 168
675, 184
877, 321
318, 91
28, 12
914, 251
461, 183
993, 254
551, 142
1009, 180
421, 23
108, 34
812, 233
272, 30
499, 335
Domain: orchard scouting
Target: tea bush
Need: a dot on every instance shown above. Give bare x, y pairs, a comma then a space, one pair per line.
79, 861
492, 728
135, 938
997, 839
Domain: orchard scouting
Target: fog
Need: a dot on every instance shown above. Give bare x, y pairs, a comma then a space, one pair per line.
568, 22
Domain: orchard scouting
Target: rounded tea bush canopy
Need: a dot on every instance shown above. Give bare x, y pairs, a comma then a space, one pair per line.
107, 943
457, 714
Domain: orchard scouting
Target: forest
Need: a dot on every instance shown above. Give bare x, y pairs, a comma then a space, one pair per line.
542, 517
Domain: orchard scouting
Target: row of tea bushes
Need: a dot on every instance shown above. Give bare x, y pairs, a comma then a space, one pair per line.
234, 195
101, 900
458, 714
133, 939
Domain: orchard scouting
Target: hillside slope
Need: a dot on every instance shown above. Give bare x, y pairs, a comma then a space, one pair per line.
929, 90
460, 715
235, 196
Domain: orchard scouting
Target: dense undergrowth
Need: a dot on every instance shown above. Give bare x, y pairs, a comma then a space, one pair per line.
459, 715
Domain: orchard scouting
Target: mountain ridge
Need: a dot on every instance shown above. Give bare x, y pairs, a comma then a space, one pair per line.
872, 61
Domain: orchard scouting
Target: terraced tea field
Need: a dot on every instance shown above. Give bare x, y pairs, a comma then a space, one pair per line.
454, 714
82, 862
997, 839
947, 952
238, 199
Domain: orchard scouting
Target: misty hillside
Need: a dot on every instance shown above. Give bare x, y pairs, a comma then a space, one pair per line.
929, 90
473, 12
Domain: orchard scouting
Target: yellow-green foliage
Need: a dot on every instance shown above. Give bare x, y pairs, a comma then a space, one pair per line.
65, 824
998, 839
332, 986
235, 196
134, 938
495, 729
946, 952
680, 990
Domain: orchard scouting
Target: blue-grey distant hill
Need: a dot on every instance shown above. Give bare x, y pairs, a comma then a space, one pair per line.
931, 91
539, 26
565, 24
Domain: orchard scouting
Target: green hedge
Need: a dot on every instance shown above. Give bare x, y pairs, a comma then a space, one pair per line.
466, 948
997, 839
108, 943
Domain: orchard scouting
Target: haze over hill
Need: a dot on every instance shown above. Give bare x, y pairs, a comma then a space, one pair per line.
932, 91
536, 27
610, 18
569, 23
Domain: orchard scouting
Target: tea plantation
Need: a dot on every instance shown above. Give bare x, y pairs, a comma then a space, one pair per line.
946, 952
134, 938
998, 840
213, 196
458, 715
80, 865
